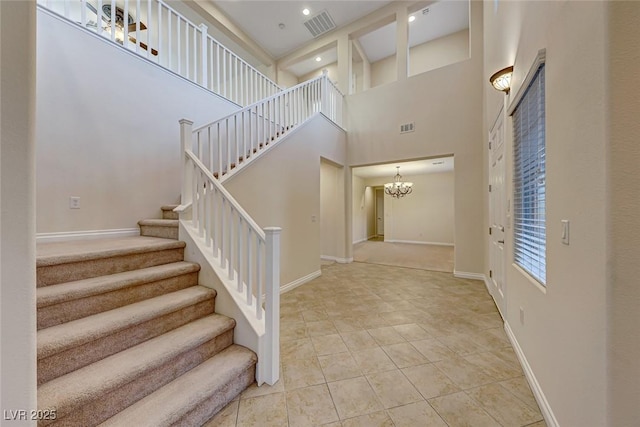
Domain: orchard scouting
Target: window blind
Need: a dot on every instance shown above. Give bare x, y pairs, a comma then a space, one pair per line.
529, 180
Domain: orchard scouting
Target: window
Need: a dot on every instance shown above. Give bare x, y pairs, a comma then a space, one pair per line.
529, 179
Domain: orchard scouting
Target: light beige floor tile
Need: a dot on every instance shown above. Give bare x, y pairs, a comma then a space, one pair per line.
310, 406
416, 414
373, 360
372, 322
291, 316
433, 350
340, 366
459, 410
520, 388
254, 391
494, 366
461, 344
412, 332
377, 419
507, 409
227, 417
320, 328
354, 397
314, 315
358, 340
393, 388
386, 335
397, 317
293, 331
538, 424
302, 373
430, 381
296, 349
347, 324
269, 410
328, 344
464, 374
404, 355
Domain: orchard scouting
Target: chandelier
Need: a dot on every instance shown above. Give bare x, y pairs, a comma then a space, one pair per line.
398, 188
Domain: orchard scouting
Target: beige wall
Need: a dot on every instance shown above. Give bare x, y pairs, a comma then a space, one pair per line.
282, 189
286, 79
424, 216
563, 336
17, 208
424, 57
105, 139
438, 53
359, 209
623, 188
332, 72
446, 127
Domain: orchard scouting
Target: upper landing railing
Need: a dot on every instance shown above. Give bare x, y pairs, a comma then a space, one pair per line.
155, 31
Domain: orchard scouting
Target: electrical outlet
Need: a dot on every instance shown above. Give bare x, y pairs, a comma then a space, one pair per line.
74, 202
314, 218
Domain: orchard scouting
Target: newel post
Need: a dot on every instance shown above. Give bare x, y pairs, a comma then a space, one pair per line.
187, 171
204, 55
272, 308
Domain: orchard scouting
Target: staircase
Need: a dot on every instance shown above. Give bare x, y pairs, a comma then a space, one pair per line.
127, 337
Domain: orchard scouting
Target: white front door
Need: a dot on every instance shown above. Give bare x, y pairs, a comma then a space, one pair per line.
497, 213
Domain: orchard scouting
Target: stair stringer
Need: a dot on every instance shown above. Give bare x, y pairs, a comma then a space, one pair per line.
248, 332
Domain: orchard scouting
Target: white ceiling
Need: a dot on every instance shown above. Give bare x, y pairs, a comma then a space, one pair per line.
306, 66
260, 19
443, 18
416, 167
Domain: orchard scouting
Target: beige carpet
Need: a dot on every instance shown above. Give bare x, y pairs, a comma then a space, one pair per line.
425, 257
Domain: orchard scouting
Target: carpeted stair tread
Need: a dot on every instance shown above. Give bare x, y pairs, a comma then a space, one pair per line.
72, 334
159, 222
167, 405
55, 294
85, 250
168, 213
168, 207
87, 384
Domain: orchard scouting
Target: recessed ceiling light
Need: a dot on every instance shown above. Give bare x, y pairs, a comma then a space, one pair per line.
318, 59
412, 18
305, 11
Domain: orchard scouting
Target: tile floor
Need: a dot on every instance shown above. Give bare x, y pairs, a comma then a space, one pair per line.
371, 345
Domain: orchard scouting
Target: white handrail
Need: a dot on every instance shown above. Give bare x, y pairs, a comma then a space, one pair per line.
232, 142
164, 36
248, 256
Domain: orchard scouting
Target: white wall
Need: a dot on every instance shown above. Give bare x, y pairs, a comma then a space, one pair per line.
623, 154
17, 209
424, 57
107, 131
282, 189
563, 336
332, 72
359, 209
424, 216
286, 79
448, 120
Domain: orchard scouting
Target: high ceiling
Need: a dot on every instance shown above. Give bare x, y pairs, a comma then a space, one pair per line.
262, 21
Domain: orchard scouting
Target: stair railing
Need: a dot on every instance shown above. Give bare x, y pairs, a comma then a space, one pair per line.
229, 144
247, 256
162, 35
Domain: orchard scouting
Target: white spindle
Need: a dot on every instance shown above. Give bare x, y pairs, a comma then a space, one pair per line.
99, 17
67, 12
230, 233
149, 28
137, 25
219, 154
204, 55
187, 49
160, 49
249, 265
218, 69
170, 39
272, 279
208, 212
259, 278
185, 144
238, 247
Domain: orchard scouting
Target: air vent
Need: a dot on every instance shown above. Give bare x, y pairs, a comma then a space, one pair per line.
320, 24
425, 11
409, 127
438, 163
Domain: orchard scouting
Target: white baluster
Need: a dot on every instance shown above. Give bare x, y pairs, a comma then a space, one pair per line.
187, 49
239, 262
208, 214
160, 49
259, 276
230, 253
179, 42
137, 24
83, 13
170, 38
249, 265
219, 154
218, 69
149, 28
204, 54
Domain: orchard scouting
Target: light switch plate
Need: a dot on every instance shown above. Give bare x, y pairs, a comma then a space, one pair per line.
565, 231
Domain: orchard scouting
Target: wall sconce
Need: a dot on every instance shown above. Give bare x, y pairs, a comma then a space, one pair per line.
502, 79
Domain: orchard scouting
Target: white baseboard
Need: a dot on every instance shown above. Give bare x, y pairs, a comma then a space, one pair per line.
545, 408
336, 259
86, 235
301, 281
359, 241
467, 275
487, 283
417, 242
